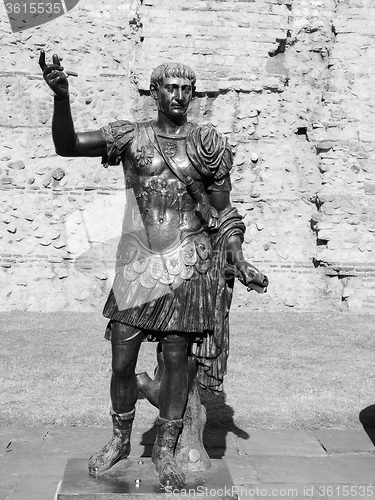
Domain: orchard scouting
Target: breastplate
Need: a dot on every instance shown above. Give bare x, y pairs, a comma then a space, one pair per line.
166, 211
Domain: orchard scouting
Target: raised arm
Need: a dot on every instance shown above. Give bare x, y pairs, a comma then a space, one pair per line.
67, 142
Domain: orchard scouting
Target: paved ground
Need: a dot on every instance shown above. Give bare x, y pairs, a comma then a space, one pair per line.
337, 464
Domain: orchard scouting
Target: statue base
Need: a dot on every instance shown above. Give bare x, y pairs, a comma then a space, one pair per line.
136, 479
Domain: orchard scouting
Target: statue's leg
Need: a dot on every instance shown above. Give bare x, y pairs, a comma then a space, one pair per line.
174, 382
172, 401
124, 393
189, 453
151, 387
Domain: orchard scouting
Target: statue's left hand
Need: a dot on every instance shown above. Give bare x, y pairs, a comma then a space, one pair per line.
248, 275
251, 277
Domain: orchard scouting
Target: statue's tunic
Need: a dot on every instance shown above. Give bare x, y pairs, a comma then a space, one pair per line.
167, 277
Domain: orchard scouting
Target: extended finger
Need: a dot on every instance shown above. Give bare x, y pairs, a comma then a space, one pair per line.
42, 60
55, 59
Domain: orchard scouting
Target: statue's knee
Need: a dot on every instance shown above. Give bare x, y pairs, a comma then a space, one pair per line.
126, 341
175, 352
121, 370
123, 361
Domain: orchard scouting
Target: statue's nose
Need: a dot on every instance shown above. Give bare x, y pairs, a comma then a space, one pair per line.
179, 95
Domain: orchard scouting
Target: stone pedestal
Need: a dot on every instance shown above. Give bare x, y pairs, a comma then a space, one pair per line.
136, 479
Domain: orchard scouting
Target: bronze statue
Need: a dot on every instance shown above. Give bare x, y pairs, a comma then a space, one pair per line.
179, 252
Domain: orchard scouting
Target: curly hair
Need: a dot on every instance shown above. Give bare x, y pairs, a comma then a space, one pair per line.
172, 70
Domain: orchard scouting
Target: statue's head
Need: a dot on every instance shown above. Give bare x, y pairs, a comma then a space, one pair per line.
172, 70
172, 86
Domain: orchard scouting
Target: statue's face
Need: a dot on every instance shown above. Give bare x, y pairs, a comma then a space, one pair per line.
174, 97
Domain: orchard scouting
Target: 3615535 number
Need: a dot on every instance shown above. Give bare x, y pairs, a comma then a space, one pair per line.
25, 7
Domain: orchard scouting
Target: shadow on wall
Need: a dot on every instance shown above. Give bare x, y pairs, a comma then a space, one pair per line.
367, 419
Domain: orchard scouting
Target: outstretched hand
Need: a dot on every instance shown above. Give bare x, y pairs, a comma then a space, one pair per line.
238, 267
53, 74
251, 277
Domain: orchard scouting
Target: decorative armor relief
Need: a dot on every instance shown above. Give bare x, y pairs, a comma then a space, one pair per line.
164, 200
170, 148
143, 275
136, 261
144, 156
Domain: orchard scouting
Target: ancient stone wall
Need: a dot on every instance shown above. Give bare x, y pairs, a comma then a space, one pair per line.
288, 81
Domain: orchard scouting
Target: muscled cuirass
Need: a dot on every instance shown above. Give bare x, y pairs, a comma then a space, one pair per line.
159, 207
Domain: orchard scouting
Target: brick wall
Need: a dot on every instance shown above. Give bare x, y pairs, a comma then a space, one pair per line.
289, 83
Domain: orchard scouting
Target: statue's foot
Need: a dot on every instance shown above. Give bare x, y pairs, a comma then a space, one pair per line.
169, 472
114, 451
166, 466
